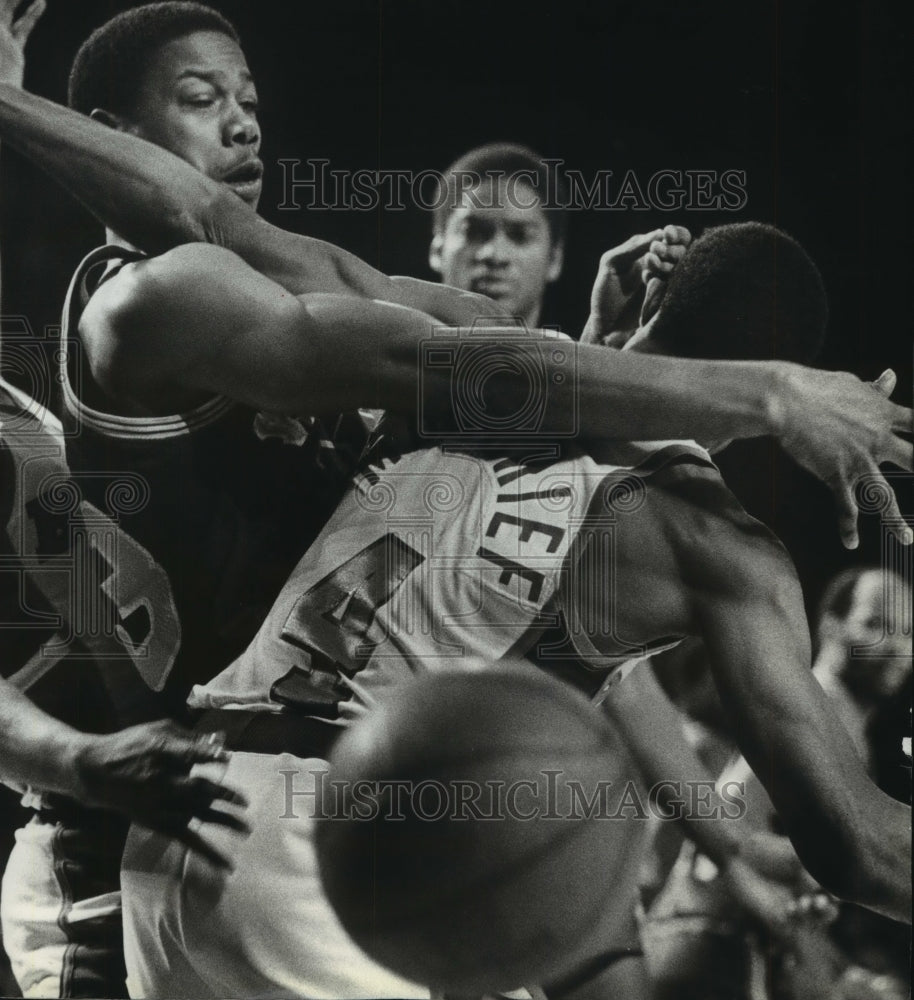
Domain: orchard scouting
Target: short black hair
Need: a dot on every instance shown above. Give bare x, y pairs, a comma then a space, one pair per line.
746, 291
507, 159
110, 65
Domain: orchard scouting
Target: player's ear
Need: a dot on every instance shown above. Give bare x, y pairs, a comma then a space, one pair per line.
434, 252
556, 260
109, 118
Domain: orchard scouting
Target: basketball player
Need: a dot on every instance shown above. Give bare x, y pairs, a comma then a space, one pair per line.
74, 645
141, 773
440, 558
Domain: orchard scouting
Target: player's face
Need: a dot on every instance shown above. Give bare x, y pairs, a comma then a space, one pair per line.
198, 100
875, 626
498, 243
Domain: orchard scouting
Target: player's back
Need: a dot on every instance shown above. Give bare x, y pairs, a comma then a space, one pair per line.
435, 559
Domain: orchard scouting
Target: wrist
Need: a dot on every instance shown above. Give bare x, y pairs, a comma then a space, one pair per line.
13, 72
779, 391
76, 767
592, 328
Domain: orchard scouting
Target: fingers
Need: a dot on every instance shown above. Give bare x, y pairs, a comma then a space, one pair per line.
629, 251
617, 339
847, 512
182, 750
665, 253
886, 382
193, 840
7, 9
653, 296
891, 514
24, 25
221, 818
204, 790
817, 906
677, 234
898, 452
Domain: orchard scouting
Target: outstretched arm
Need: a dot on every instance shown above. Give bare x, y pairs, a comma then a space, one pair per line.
748, 606
247, 327
832, 424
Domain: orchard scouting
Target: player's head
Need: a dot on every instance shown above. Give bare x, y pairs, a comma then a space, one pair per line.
747, 292
174, 73
864, 627
500, 230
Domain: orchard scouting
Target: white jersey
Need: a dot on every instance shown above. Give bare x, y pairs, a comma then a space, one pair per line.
434, 560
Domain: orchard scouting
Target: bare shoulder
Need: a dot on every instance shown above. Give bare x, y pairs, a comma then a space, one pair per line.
716, 544
131, 328
140, 288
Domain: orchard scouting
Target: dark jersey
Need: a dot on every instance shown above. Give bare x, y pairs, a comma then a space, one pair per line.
224, 498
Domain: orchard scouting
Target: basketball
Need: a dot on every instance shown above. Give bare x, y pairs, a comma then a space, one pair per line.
471, 834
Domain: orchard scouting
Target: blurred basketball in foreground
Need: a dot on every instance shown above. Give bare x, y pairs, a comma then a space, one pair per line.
475, 827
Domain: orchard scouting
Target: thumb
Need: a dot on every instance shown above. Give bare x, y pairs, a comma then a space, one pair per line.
24, 25
886, 382
633, 248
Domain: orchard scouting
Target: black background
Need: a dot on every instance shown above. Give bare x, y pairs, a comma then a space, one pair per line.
810, 99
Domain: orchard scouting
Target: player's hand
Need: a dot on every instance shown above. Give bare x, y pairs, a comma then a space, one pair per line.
644, 260
13, 36
658, 265
841, 430
145, 773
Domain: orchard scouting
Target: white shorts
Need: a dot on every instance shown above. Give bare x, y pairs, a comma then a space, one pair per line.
263, 930
61, 917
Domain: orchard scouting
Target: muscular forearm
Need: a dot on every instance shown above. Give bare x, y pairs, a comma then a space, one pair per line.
849, 835
36, 749
588, 391
652, 728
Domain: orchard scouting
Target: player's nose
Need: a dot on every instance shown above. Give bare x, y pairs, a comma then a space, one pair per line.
495, 249
241, 129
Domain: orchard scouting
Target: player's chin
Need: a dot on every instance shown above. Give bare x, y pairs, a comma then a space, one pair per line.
248, 191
